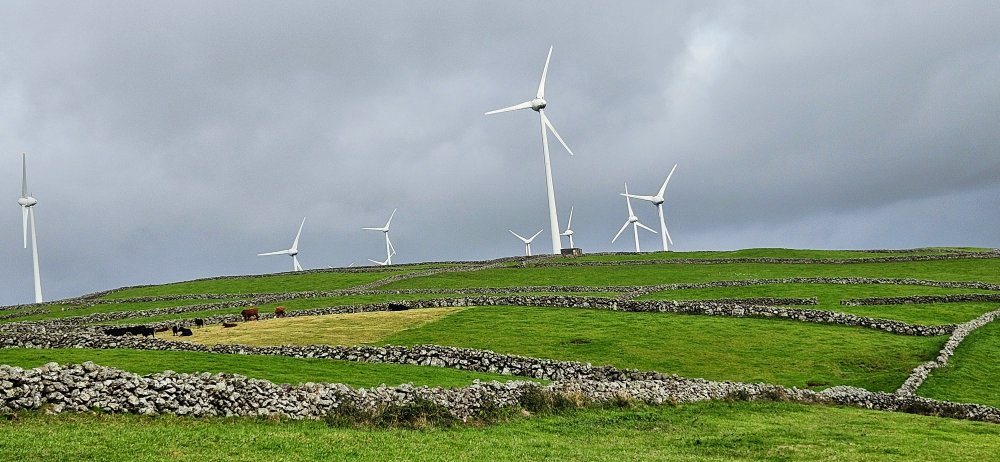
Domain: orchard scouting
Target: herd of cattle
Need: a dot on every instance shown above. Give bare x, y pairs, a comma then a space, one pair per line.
249, 314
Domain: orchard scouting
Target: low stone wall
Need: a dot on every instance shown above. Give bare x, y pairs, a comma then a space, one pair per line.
702, 307
646, 290
87, 387
767, 260
921, 372
922, 299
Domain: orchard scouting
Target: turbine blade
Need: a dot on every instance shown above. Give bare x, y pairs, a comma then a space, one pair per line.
375, 229
393, 249
535, 235
569, 224
668, 235
24, 220
376, 262
519, 236
524, 105
645, 198
647, 228
663, 188
545, 120
24, 176
295, 264
545, 71
277, 252
386, 227
295, 243
620, 231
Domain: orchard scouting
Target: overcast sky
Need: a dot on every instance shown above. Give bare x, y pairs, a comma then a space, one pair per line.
175, 140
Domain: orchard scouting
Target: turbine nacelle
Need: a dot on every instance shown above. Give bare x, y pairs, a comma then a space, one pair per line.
26, 201
538, 104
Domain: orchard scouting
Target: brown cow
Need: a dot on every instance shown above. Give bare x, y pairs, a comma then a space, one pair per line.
229, 324
279, 312
250, 313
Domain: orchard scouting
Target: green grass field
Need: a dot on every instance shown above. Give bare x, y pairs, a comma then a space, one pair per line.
791, 353
693, 432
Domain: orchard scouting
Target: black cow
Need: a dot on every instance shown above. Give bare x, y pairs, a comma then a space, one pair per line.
185, 332
116, 331
176, 330
398, 307
199, 322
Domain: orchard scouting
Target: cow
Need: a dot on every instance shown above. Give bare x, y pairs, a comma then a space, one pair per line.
199, 322
229, 324
398, 307
250, 313
161, 329
176, 329
185, 332
279, 312
115, 331
144, 331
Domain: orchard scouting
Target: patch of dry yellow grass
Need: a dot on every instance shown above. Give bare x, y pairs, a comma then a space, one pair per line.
337, 329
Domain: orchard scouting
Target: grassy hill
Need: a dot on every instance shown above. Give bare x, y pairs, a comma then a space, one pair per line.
778, 351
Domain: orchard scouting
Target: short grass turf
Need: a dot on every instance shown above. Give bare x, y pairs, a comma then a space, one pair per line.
789, 353
277, 369
982, 270
691, 432
973, 373
829, 297
770, 253
285, 282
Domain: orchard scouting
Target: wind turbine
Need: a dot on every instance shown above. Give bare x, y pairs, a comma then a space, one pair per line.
527, 242
389, 249
658, 200
633, 220
569, 229
537, 105
292, 252
380, 263
27, 204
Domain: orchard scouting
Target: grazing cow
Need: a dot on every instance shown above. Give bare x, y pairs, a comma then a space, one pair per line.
229, 324
279, 312
116, 331
398, 307
175, 329
185, 332
199, 322
250, 313
144, 331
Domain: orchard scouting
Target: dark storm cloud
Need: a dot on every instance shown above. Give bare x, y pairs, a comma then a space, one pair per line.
176, 140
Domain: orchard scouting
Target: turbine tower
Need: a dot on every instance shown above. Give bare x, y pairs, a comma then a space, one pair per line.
292, 252
389, 249
658, 200
537, 105
526, 241
633, 220
27, 204
569, 229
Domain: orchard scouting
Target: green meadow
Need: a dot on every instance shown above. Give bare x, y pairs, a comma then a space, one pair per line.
785, 352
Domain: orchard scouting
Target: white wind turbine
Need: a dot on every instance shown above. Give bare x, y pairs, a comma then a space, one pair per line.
389, 249
526, 241
292, 252
537, 105
569, 229
658, 200
633, 220
380, 263
27, 204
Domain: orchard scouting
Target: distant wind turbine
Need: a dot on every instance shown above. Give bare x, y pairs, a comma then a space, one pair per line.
389, 249
292, 252
633, 220
569, 229
537, 105
658, 200
526, 241
27, 204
